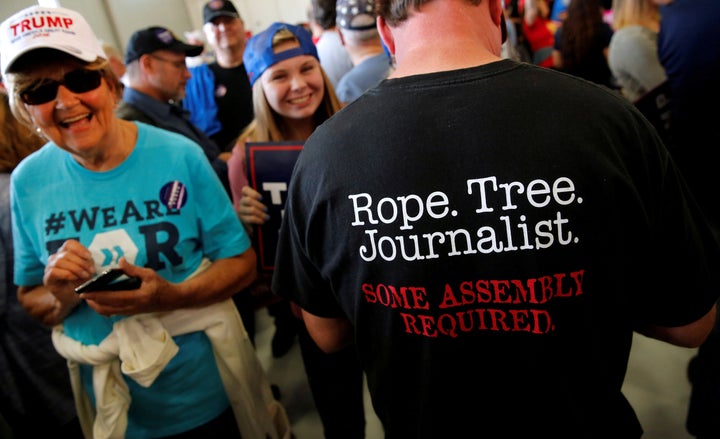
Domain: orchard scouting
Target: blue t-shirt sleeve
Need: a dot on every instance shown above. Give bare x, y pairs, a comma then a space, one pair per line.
29, 269
222, 232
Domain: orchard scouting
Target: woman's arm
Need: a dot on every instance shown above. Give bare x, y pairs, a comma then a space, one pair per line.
223, 278
43, 305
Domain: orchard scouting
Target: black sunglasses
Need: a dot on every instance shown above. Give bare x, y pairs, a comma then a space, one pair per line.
77, 81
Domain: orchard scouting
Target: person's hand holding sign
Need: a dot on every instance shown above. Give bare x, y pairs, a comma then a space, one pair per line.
250, 209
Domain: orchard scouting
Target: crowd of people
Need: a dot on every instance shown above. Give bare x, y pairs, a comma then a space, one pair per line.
427, 243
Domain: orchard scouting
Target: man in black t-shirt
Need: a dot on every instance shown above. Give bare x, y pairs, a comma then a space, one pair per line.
491, 274
219, 95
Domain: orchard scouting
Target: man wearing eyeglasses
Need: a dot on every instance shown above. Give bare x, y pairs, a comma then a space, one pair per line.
156, 78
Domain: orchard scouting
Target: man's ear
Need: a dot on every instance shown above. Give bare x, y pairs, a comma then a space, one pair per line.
498, 17
386, 35
503, 27
144, 62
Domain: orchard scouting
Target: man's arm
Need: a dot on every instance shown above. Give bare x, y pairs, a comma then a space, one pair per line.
330, 334
333, 334
688, 336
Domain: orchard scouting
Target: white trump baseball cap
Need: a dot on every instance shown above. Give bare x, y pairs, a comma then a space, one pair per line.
40, 27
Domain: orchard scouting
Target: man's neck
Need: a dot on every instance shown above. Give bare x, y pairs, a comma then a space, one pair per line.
446, 35
230, 57
149, 90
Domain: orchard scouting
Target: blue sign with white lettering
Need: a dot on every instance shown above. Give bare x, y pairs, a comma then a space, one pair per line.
270, 165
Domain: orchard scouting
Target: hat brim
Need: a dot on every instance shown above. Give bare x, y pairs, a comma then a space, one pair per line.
73, 51
217, 14
189, 50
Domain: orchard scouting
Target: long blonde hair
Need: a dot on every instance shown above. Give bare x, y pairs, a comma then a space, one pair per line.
634, 12
268, 125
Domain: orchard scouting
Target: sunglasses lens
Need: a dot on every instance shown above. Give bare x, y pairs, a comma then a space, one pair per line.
77, 81
81, 81
40, 94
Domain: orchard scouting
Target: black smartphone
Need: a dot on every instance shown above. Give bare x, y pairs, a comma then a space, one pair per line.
107, 281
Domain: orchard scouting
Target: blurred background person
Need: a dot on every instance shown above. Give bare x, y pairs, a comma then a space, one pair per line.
218, 97
559, 11
218, 94
155, 86
197, 38
333, 57
582, 41
115, 59
312, 25
634, 62
36, 399
689, 49
632, 54
359, 35
538, 31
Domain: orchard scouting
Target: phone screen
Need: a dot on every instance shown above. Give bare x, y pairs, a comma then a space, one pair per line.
104, 281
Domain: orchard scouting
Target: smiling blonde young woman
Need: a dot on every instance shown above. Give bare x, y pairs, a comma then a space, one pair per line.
292, 96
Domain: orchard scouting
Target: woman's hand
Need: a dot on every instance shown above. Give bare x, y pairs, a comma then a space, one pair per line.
250, 209
154, 294
223, 278
68, 267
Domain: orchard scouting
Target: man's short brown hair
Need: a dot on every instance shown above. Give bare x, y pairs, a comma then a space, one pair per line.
397, 11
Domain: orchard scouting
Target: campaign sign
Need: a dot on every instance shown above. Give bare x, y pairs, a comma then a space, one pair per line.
270, 166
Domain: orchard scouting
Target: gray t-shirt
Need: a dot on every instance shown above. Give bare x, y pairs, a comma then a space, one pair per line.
363, 76
334, 59
633, 60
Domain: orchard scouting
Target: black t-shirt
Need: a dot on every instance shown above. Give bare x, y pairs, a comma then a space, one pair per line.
233, 96
494, 249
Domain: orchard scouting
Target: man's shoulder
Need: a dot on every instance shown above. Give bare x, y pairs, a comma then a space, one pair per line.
329, 44
126, 110
329, 36
156, 135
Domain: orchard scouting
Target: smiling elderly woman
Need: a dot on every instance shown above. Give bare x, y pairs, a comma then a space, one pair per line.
106, 193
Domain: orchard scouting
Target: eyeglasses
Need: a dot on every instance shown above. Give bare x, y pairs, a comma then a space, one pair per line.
45, 90
180, 65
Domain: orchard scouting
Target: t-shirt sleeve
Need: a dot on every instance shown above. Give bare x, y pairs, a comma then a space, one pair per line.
296, 277
222, 233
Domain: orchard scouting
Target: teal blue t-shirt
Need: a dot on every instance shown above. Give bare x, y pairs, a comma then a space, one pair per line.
164, 208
